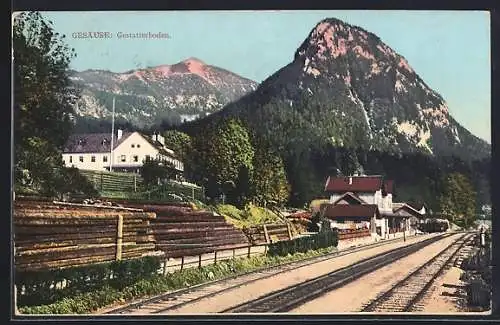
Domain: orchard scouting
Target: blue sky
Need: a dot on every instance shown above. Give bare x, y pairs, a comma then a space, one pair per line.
450, 50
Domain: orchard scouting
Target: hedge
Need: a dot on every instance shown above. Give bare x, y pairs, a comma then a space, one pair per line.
116, 274
323, 239
91, 301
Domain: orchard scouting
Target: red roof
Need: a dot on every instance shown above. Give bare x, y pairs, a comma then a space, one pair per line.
344, 210
354, 184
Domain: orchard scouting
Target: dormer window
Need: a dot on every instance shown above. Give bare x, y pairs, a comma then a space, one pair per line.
104, 141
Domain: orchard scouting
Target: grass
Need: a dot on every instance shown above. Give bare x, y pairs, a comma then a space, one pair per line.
92, 301
250, 216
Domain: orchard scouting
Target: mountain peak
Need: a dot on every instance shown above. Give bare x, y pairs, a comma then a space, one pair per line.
332, 37
193, 60
356, 76
185, 90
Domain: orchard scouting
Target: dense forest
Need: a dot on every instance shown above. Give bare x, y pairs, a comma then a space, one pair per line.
311, 142
315, 140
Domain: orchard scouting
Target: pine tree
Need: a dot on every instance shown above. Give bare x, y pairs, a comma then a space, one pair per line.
458, 200
43, 105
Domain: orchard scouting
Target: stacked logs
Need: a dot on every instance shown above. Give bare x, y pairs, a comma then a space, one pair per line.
181, 231
268, 233
51, 235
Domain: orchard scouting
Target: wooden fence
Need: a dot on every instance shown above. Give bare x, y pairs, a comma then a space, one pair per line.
51, 235
267, 233
113, 181
183, 262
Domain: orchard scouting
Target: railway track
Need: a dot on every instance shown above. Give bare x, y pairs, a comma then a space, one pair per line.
289, 298
179, 298
407, 295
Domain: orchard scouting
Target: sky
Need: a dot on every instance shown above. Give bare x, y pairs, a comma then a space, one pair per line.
450, 50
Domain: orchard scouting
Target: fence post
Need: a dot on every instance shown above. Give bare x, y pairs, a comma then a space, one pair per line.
199, 261
234, 253
266, 234
101, 181
135, 182
165, 266
119, 238
289, 231
215, 257
248, 255
182, 262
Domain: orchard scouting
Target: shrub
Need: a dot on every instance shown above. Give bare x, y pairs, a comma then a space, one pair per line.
153, 170
313, 225
80, 303
117, 274
323, 239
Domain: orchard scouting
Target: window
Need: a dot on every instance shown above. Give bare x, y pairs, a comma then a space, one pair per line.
92, 159
70, 159
104, 158
81, 158
138, 146
148, 157
132, 145
123, 158
135, 158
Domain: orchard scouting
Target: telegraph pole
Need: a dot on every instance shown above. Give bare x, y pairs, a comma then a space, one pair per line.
112, 136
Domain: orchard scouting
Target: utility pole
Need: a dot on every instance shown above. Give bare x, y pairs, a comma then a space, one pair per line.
112, 136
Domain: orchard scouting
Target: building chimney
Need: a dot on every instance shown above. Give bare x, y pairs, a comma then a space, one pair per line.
120, 134
350, 180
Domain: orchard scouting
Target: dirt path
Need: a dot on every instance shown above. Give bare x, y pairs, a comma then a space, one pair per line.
233, 297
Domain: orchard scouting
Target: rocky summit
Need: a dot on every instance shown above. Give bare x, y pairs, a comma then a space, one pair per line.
350, 85
183, 91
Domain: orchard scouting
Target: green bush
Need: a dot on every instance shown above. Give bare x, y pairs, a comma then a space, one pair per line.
313, 224
324, 239
156, 284
118, 274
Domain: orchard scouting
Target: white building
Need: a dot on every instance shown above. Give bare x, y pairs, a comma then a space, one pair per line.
370, 189
92, 151
366, 201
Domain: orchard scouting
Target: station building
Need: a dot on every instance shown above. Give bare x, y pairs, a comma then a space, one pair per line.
365, 202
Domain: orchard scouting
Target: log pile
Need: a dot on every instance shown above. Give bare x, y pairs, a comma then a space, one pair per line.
181, 231
267, 233
50, 235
